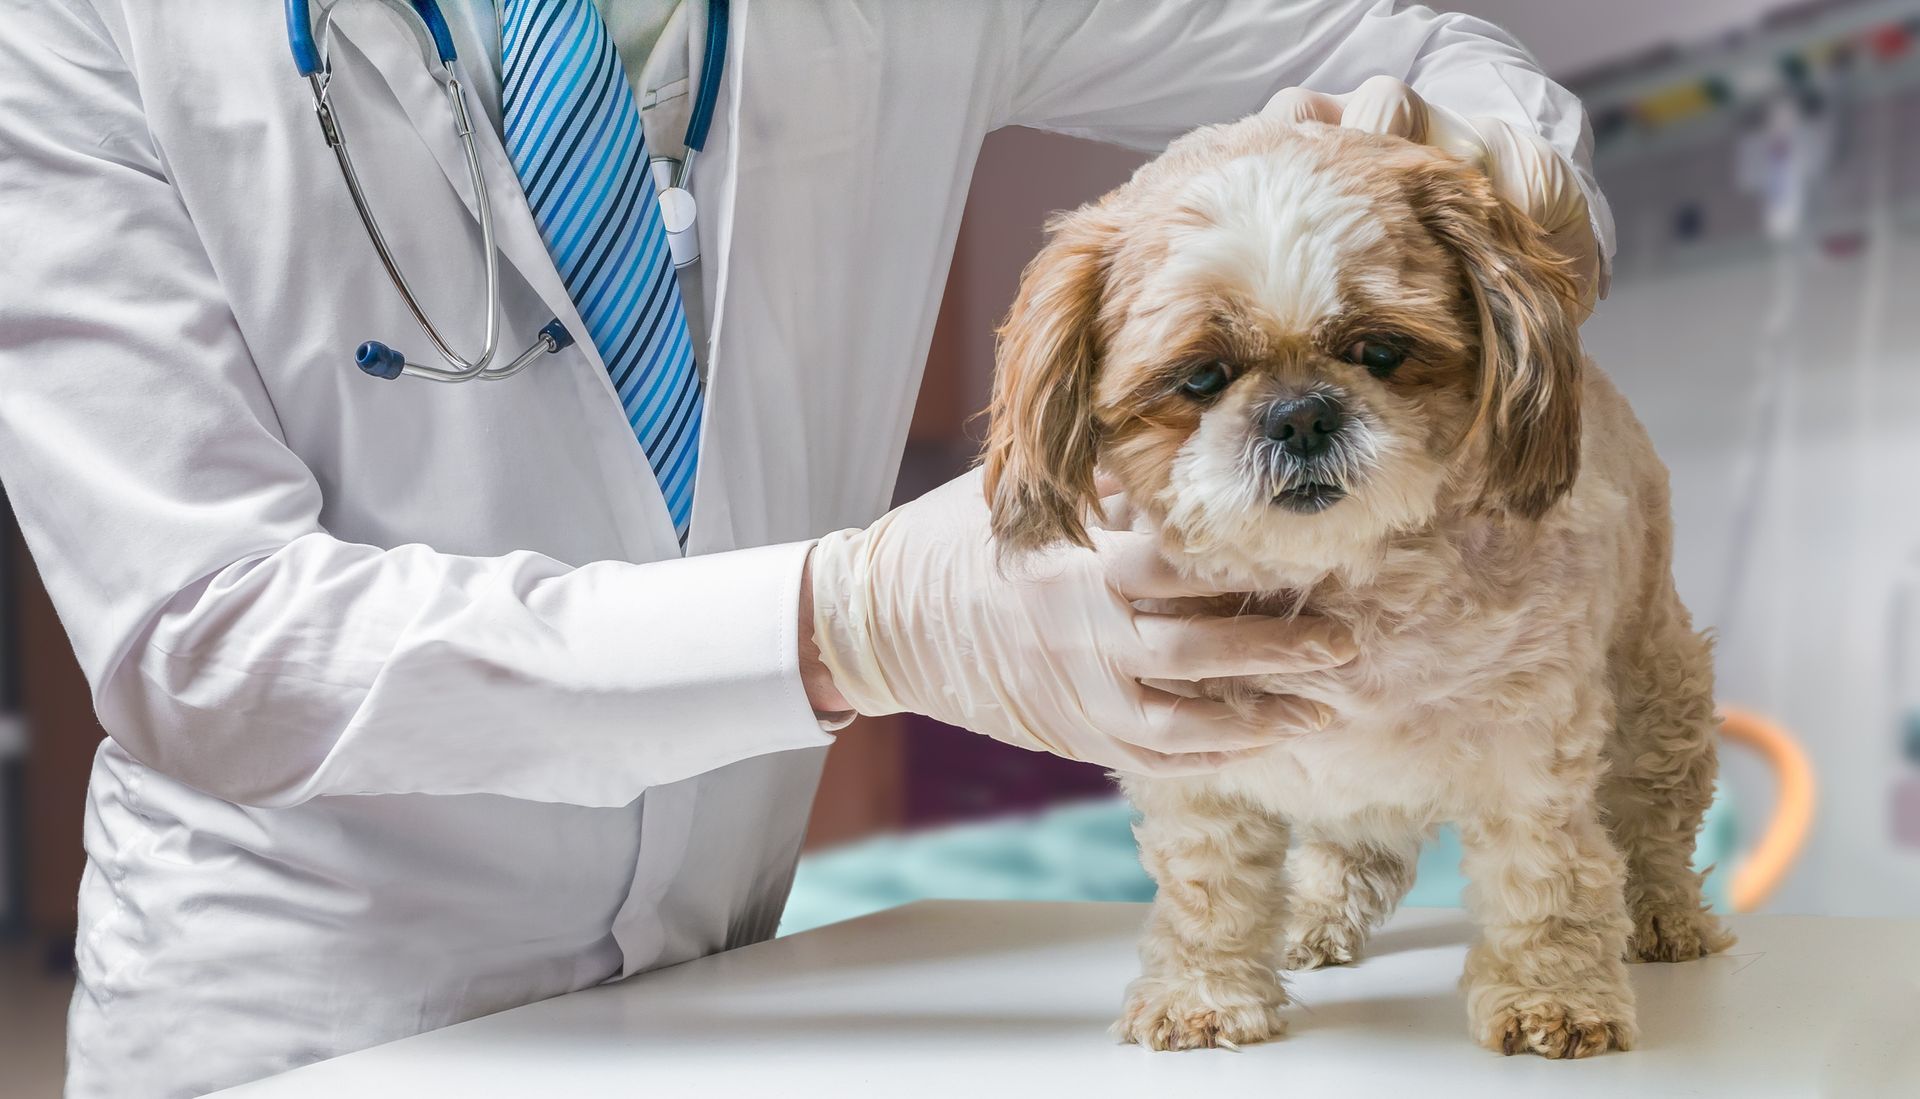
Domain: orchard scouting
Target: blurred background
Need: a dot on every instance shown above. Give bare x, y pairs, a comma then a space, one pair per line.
1763, 163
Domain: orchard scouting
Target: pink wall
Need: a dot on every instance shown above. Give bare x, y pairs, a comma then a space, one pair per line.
1023, 176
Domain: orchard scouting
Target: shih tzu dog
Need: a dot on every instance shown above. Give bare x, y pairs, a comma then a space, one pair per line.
1337, 371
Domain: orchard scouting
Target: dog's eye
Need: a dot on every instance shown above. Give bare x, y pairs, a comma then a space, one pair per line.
1207, 380
1379, 357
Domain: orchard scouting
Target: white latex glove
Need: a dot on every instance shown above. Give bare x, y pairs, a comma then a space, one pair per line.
1524, 169
1047, 652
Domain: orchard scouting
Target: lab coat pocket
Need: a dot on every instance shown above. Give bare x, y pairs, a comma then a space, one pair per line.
664, 89
664, 120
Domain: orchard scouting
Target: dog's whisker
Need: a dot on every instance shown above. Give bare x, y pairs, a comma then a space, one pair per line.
1351, 457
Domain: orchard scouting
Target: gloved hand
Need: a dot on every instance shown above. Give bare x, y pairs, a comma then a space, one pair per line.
1524, 169
1047, 651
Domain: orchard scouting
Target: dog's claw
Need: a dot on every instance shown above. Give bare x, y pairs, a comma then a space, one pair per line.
1550, 1032
1163, 1017
1317, 938
1677, 936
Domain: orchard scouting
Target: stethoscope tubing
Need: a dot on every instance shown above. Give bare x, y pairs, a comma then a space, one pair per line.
458, 369
373, 357
714, 61
311, 58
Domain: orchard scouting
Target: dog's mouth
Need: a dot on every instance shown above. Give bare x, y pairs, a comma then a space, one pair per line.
1310, 497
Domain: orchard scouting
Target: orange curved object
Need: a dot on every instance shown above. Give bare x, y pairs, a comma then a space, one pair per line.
1762, 870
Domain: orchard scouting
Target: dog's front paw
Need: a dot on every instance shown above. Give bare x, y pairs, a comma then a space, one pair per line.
1201, 1012
1313, 944
1558, 1026
1676, 935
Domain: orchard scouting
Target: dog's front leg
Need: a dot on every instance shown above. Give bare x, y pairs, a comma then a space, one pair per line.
1547, 975
1208, 958
1345, 884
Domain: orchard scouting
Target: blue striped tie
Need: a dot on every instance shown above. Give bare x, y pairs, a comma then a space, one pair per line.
573, 131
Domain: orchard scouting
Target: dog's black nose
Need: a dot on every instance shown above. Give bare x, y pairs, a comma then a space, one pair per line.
1304, 425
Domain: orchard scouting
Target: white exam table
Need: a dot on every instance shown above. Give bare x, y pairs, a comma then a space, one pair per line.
991, 1000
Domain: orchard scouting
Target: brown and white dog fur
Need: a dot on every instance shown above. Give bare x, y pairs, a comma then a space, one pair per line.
1484, 514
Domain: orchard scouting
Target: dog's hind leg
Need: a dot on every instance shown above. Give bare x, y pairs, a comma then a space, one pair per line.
1207, 959
1343, 888
1660, 781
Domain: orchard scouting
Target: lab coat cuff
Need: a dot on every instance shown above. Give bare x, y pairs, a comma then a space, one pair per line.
745, 612
787, 564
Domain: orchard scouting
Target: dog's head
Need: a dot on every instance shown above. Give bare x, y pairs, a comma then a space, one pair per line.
1288, 344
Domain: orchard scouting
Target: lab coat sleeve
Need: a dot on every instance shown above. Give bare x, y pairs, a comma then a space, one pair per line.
1141, 74
230, 640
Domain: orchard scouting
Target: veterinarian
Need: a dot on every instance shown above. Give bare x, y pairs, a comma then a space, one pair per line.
435, 694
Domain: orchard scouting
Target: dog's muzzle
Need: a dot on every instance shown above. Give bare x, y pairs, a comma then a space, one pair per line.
1305, 426
1310, 498
1302, 437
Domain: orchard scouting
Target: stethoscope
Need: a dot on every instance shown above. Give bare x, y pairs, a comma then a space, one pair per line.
677, 207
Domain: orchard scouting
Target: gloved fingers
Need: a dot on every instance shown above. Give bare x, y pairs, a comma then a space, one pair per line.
1384, 105
1453, 134
1536, 179
1177, 725
1302, 105
1140, 761
1524, 167
1187, 688
1114, 512
1578, 244
1529, 173
1182, 687
1136, 568
1218, 606
1138, 758
1215, 646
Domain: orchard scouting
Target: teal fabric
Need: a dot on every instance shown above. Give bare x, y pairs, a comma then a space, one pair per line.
1080, 852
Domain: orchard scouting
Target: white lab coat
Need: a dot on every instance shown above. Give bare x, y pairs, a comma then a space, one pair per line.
414, 715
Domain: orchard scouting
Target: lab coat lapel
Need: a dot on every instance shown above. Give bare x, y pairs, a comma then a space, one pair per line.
381, 38
802, 97
387, 45
717, 188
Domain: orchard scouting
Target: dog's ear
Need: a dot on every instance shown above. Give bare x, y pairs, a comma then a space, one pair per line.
1530, 358
1042, 441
